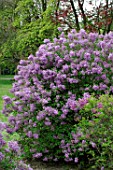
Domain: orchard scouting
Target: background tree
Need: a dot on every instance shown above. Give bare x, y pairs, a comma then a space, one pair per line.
27, 24
7, 33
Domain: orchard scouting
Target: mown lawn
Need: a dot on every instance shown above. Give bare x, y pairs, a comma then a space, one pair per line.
6, 76
5, 86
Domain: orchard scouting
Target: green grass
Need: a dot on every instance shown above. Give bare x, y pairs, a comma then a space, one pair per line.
6, 76
5, 86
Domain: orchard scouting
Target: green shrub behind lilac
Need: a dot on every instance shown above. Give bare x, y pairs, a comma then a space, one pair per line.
52, 87
96, 127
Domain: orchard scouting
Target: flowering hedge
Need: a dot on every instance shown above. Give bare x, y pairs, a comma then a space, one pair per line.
52, 87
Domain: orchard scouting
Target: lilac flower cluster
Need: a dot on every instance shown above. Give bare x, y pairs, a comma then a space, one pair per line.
13, 145
71, 148
51, 87
10, 155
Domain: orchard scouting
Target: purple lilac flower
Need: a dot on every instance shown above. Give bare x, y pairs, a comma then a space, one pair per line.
31, 57
87, 56
99, 105
72, 45
110, 57
76, 160
72, 53
59, 28
102, 44
83, 142
67, 155
47, 123
36, 136
7, 99
80, 149
37, 155
13, 145
93, 36
70, 36
45, 159
2, 142
2, 126
1, 156
72, 105
29, 134
83, 33
46, 41
63, 116
40, 116
95, 87
93, 144
32, 107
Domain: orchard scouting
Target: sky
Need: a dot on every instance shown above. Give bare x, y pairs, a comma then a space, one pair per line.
90, 7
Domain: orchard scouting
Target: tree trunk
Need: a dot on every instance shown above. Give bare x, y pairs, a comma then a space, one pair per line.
83, 13
75, 14
44, 5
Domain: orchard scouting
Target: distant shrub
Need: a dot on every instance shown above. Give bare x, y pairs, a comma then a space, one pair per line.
52, 87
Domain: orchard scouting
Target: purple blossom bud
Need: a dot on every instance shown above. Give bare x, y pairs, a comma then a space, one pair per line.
110, 57
80, 149
66, 155
93, 36
95, 87
7, 99
70, 36
23, 62
83, 142
99, 105
32, 107
29, 134
37, 155
102, 44
60, 29
13, 145
87, 56
93, 144
47, 123
31, 57
45, 159
46, 40
1, 156
36, 136
2, 126
62, 116
72, 53
76, 160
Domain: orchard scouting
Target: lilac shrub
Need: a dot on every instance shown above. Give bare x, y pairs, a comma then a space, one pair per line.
10, 153
52, 87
